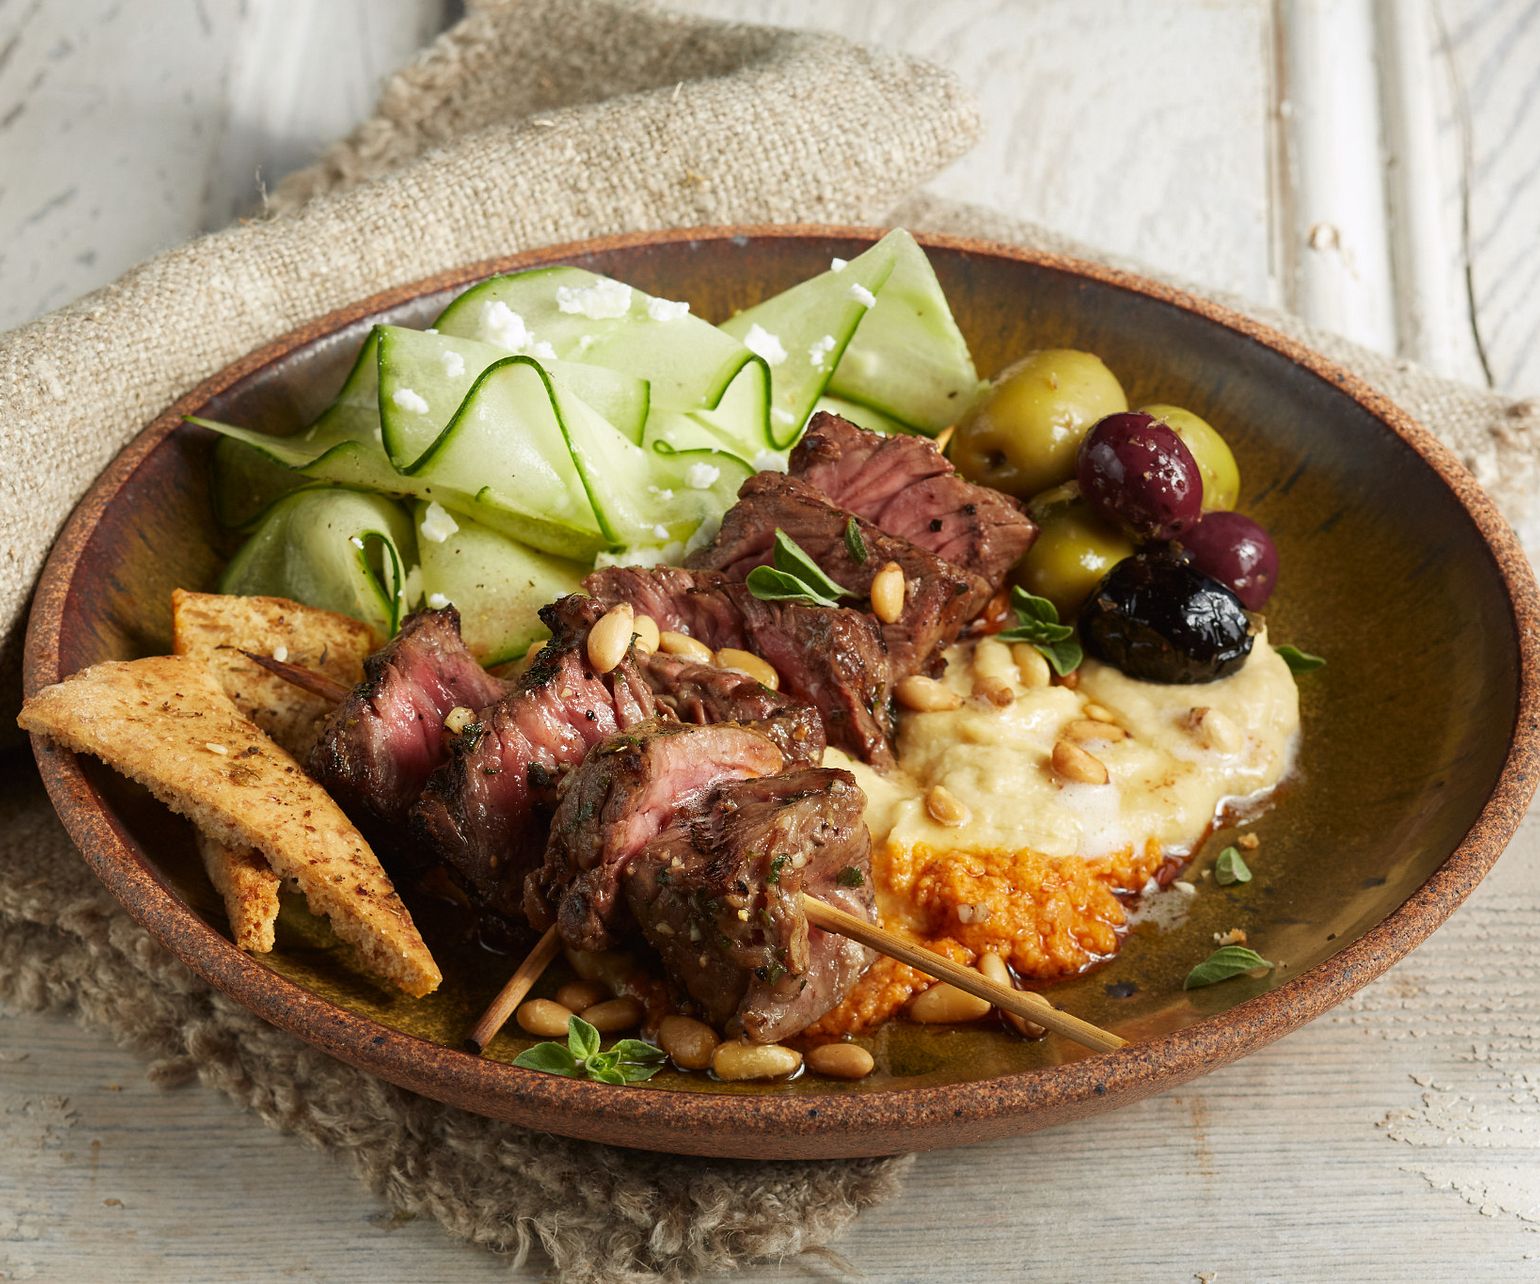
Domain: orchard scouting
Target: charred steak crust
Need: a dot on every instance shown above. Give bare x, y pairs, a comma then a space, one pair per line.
940, 598
718, 895
626, 790
703, 693
833, 658
907, 487
483, 813
381, 744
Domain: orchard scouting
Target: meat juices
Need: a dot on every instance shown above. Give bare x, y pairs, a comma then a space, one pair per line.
718, 894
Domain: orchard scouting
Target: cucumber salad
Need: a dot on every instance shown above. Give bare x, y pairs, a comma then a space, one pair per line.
553, 420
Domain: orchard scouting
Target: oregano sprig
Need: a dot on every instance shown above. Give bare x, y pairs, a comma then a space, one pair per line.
1037, 622
1225, 962
628, 1061
795, 577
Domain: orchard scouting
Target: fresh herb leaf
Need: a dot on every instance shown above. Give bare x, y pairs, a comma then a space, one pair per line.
774, 876
607, 1075
850, 876
582, 1039
1226, 962
854, 544
636, 1060
1230, 868
1300, 661
1037, 622
770, 585
792, 558
552, 1058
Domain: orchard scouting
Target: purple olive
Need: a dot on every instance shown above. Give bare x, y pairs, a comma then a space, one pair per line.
1233, 549
1135, 471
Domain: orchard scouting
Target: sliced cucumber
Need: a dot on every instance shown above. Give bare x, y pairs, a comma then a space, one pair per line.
862, 416
247, 482
498, 585
333, 548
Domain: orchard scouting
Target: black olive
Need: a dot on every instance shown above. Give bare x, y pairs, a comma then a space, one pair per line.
1157, 618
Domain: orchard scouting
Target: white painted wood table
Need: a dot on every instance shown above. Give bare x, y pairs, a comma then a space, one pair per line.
1373, 164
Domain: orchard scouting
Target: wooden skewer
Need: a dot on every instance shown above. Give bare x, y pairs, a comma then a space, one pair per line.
512, 994
1027, 1004
306, 679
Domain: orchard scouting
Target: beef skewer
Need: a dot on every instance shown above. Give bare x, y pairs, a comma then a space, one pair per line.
514, 989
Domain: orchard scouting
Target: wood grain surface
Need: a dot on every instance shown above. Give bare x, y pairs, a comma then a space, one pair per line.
1397, 1139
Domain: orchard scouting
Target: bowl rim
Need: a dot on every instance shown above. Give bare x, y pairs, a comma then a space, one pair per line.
766, 1125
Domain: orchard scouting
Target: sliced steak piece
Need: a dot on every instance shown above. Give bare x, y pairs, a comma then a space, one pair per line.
718, 895
483, 812
628, 789
703, 693
380, 745
940, 598
833, 658
906, 486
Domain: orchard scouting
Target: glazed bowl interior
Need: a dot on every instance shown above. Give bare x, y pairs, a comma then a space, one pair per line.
1388, 570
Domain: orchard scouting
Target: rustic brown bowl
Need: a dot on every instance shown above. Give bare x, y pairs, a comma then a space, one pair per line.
1419, 742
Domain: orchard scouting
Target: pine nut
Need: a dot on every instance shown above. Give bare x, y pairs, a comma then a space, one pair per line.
991, 692
1097, 713
888, 592
544, 1018
1074, 763
741, 1059
993, 966
687, 1041
610, 638
1083, 730
748, 664
1213, 730
992, 658
946, 808
1032, 665
926, 695
458, 718
614, 1015
841, 1061
944, 1004
579, 995
684, 646
646, 630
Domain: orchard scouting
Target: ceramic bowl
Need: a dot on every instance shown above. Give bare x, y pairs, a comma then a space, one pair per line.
1419, 740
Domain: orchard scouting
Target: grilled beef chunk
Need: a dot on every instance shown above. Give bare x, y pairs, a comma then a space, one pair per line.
904, 485
483, 812
940, 599
381, 744
833, 658
718, 895
626, 791
703, 693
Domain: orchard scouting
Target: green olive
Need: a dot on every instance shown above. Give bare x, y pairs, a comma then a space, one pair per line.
1221, 477
1074, 549
1022, 436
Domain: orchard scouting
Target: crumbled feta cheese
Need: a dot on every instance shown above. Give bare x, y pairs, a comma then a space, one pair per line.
437, 601
407, 399
437, 524
542, 351
501, 325
660, 531
604, 298
770, 461
818, 351
838, 264
454, 365
1186, 888
701, 476
781, 415
280, 653
762, 343
667, 309
642, 555
355, 541
862, 295
664, 493
431, 330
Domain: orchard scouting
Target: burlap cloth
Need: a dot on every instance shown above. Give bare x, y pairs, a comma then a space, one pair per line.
527, 124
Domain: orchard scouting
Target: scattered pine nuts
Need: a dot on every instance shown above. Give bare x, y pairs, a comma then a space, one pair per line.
1074, 763
925, 695
610, 638
580, 995
750, 665
740, 1059
1213, 730
945, 808
841, 1061
688, 1042
458, 718
646, 630
1084, 730
1031, 664
1248, 841
684, 646
943, 1004
543, 1018
888, 592
614, 1015
993, 966
1096, 713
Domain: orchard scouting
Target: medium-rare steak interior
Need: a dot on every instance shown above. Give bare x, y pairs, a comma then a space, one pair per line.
718, 895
